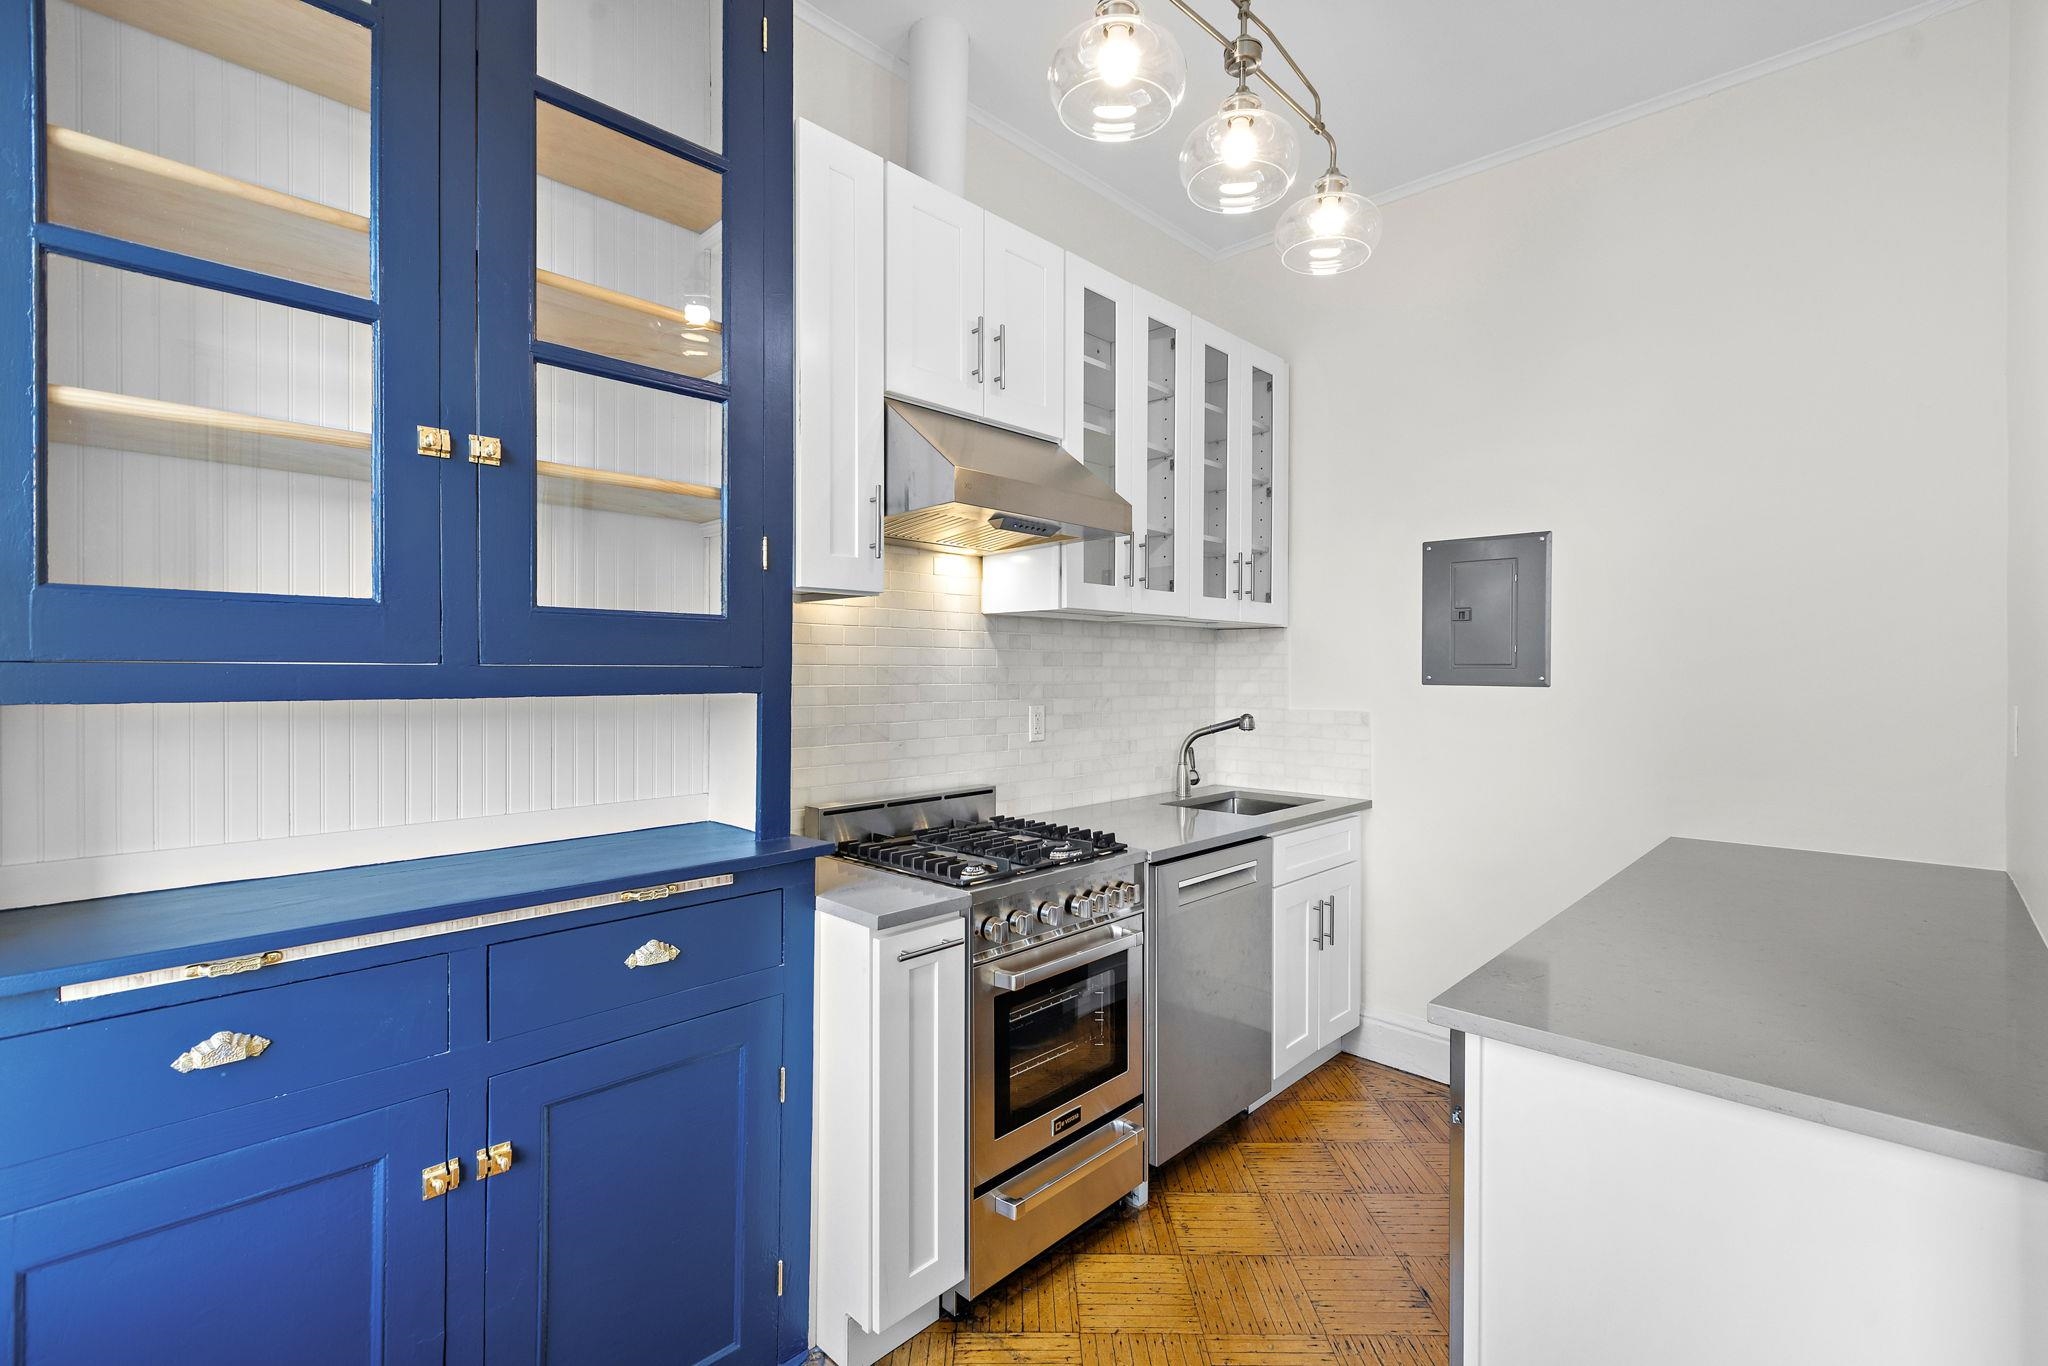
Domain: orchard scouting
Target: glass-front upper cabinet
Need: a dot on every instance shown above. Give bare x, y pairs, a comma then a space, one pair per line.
1262, 492
1159, 500
233, 337
1219, 566
1099, 422
620, 386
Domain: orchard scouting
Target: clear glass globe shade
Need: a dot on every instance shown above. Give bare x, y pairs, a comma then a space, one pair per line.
1328, 232
1118, 76
1241, 158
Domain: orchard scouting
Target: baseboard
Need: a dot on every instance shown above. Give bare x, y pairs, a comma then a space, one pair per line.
1405, 1044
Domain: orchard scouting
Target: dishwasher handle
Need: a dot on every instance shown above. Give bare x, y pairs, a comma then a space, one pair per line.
1219, 882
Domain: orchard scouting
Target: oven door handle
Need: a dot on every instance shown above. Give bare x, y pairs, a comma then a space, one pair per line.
1014, 981
1018, 1206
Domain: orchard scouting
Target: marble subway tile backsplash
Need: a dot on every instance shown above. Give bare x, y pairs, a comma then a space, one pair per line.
917, 691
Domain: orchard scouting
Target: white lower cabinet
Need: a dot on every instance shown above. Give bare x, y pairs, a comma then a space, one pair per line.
891, 1129
1317, 959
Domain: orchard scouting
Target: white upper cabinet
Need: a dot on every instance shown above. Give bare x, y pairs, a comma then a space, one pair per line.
839, 265
1259, 464
936, 320
1024, 290
1102, 431
975, 310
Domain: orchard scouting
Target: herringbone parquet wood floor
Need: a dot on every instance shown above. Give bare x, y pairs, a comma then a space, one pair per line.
1314, 1232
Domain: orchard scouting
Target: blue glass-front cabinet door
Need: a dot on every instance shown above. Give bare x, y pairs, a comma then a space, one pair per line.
638, 1221
221, 222
311, 1248
620, 319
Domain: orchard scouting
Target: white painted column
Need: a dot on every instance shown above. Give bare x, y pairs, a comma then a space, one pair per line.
938, 102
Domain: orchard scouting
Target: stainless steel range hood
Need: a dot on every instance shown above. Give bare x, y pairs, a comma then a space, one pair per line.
958, 485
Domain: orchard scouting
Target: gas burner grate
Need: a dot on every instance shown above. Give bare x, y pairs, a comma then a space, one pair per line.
972, 853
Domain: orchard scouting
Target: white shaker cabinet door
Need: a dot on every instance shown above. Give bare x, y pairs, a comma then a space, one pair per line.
1341, 963
839, 334
920, 1151
1026, 308
938, 345
1296, 973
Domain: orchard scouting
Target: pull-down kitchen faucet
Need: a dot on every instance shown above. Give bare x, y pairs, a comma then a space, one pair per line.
1189, 775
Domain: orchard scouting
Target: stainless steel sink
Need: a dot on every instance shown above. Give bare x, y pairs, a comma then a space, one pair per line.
1240, 803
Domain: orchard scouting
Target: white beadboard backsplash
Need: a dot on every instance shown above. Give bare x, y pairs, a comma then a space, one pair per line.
105, 799
916, 691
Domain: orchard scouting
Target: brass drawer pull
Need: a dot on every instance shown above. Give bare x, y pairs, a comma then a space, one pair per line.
653, 954
218, 1051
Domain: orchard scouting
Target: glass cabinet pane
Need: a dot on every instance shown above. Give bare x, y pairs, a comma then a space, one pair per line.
1217, 567
1162, 495
1259, 496
1101, 557
631, 512
629, 248
240, 133
658, 60
202, 440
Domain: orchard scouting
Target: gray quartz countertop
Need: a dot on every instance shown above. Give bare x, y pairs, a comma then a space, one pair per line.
1907, 1001
1162, 832
882, 900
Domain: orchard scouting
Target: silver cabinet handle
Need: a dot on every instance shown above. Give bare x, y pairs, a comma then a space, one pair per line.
876, 544
976, 334
1130, 558
1002, 354
1220, 872
908, 954
1330, 917
1141, 559
1237, 576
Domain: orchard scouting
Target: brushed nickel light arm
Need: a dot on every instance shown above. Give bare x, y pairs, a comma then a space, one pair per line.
1242, 64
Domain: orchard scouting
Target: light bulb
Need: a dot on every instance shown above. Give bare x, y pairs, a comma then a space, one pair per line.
1329, 216
1116, 59
696, 311
1239, 144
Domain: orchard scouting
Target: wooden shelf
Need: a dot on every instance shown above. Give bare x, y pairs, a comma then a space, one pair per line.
592, 318
635, 494
299, 44
123, 422
110, 188
140, 197
610, 165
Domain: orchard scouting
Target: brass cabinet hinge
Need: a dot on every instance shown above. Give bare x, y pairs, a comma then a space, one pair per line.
782, 1085
437, 1180
764, 554
436, 441
495, 1160
778, 1278
764, 33
486, 450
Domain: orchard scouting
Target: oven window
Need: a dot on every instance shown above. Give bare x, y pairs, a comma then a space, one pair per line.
1059, 1039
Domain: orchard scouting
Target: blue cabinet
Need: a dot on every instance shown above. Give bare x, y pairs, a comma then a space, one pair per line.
638, 1222
313, 1247
394, 349
270, 1148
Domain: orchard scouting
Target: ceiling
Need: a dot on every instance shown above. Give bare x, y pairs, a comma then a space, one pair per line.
1416, 91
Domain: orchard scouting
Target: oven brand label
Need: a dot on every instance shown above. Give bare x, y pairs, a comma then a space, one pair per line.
1066, 1121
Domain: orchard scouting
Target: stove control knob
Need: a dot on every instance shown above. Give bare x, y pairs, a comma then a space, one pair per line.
1129, 893
1049, 912
1078, 906
992, 927
1098, 902
1020, 921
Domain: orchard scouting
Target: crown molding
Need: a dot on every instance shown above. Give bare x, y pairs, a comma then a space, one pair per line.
1714, 85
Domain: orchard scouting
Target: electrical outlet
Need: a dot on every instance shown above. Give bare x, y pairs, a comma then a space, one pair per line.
1034, 722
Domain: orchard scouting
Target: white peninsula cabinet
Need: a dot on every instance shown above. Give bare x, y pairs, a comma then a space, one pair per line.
1317, 959
974, 310
891, 1163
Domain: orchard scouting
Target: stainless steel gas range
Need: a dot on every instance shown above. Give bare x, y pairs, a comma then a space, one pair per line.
1056, 1014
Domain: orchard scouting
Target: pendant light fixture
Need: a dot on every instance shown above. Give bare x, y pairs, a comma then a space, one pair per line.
1118, 76
1242, 158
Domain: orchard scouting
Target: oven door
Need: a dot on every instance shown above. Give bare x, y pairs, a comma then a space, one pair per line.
1058, 1042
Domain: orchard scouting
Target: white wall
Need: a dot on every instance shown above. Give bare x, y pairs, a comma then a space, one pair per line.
1746, 359
2027, 778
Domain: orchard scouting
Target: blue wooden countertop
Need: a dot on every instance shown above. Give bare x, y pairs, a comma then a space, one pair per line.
43, 947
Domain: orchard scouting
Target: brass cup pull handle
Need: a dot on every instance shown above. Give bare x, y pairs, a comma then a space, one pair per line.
219, 1050
653, 954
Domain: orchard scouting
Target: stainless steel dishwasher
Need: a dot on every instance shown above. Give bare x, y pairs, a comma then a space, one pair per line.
1209, 1025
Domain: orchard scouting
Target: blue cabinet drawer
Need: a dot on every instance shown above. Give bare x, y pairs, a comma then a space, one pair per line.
91, 1082
553, 978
